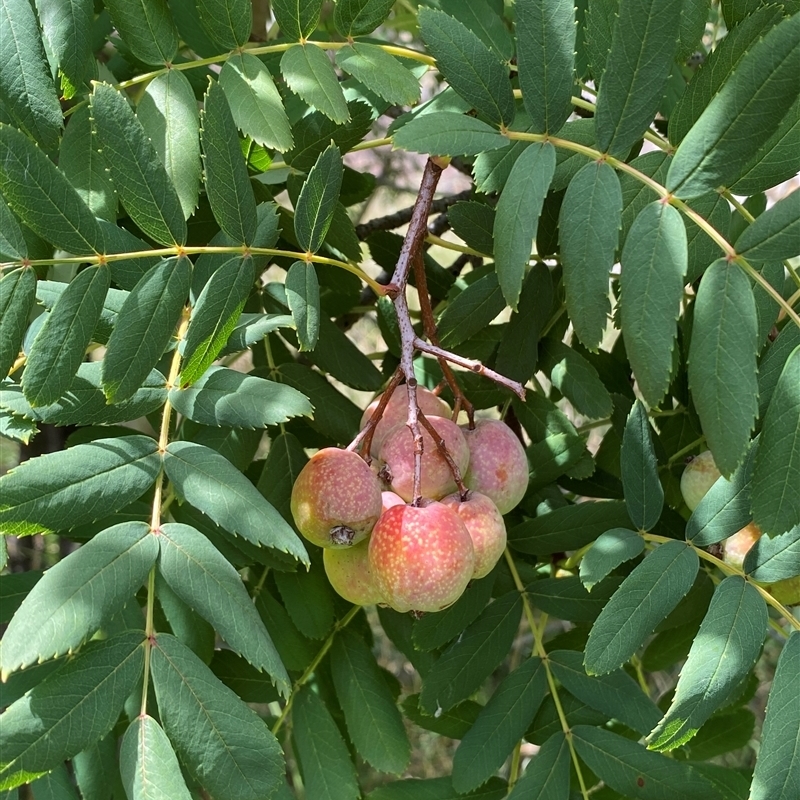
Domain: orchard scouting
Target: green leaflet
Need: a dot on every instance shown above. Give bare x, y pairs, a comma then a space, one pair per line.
373, 719
214, 486
60, 345
437, 789
775, 234
654, 263
252, 328
149, 767
317, 201
251, 685
255, 103
328, 772
227, 22
616, 694
144, 327
777, 773
147, 28
215, 315
468, 65
547, 774
297, 19
642, 49
12, 242
21, 430
554, 456
723, 652
39, 194
55, 785
471, 311
189, 627
545, 35
225, 397
702, 250
635, 772
26, 86
17, 296
285, 459
81, 161
139, 177
774, 558
310, 75
486, 21
357, 17
198, 573
517, 217
379, 72
473, 222
645, 598
776, 501
227, 182
612, 548
226, 746
588, 223
500, 725
637, 195
125, 272
644, 495
772, 363
168, 113
302, 295
78, 485
445, 133
454, 723
296, 650
72, 708
309, 601
742, 116
722, 362
463, 667
67, 29
78, 594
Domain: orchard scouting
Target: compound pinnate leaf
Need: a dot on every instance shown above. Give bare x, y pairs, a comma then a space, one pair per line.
373, 719
589, 223
777, 772
645, 598
517, 217
297, 18
776, 500
255, 103
302, 295
60, 345
168, 113
81, 484
722, 654
72, 708
774, 558
445, 133
642, 50
139, 177
144, 327
39, 194
147, 28
644, 494
547, 774
210, 483
357, 17
500, 725
148, 764
379, 72
468, 65
317, 201
200, 575
226, 746
722, 362
227, 22
17, 296
78, 594
775, 234
546, 57
310, 75
741, 116
612, 548
654, 263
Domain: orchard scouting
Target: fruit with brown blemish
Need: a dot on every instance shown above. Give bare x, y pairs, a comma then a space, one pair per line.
350, 575
498, 466
396, 412
700, 475
484, 522
422, 558
397, 455
336, 499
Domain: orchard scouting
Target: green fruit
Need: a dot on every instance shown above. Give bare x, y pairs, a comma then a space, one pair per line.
700, 475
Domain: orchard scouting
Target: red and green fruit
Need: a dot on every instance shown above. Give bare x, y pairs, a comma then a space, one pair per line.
350, 575
484, 522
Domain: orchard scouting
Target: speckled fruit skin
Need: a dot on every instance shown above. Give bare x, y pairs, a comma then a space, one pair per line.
484, 522
422, 558
700, 475
498, 466
336, 499
397, 453
396, 412
350, 575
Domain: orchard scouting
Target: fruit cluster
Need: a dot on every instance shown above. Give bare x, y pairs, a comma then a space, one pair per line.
380, 546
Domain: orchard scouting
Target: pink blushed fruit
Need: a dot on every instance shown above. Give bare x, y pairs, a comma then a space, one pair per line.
737, 546
397, 454
498, 466
700, 475
350, 575
484, 522
389, 499
336, 499
396, 412
422, 558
